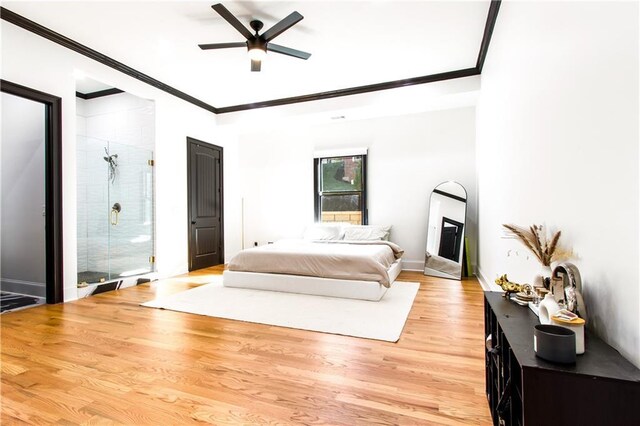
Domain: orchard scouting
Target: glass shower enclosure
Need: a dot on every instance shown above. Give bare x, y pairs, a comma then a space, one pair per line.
115, 210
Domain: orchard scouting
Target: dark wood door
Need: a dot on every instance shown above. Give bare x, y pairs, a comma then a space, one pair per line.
450, 239
206, 239
447, 242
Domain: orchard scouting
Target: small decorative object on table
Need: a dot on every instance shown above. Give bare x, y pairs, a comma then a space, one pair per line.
554, 343
545, 249
525, 296
569, 282
507, 286
568, 319
547, 308
522, 293
557, 289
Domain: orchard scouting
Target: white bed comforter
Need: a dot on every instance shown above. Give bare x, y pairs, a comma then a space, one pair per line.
339, 259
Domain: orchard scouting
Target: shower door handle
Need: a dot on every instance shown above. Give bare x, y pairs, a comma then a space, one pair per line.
114, 217
115, 211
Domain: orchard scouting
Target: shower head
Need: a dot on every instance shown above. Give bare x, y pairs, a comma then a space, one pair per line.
111, 160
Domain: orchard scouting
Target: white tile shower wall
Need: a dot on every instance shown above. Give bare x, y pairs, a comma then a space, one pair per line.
122, 118
125, 124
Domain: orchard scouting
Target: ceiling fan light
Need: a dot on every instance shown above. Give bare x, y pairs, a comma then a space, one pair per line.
257, 54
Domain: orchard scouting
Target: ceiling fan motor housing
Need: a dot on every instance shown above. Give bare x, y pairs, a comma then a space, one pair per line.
257, 43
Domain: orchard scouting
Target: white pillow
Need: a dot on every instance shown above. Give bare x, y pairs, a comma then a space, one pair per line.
367, 232
323, 231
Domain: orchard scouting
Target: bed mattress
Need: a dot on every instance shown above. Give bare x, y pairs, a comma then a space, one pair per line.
368, 261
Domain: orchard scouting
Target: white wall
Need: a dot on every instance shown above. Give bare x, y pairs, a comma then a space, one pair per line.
32, 61
557, 131
23, 229
408, 156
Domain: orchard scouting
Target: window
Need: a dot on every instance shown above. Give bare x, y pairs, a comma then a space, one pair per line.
340, 189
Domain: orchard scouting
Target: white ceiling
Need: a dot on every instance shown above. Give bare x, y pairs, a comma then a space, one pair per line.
353, 43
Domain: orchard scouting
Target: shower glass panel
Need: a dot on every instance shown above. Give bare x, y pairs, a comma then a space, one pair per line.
115, 210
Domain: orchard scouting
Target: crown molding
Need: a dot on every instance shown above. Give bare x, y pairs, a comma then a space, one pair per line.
449, 75
99, 93
64, 41
492, 17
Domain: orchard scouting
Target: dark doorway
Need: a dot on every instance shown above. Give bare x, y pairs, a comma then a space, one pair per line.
204, 193
450, 239
53, 184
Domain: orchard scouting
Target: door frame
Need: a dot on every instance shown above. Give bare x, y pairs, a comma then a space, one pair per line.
53, 185
194, 141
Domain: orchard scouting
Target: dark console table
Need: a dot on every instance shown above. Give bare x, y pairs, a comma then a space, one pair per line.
601, 388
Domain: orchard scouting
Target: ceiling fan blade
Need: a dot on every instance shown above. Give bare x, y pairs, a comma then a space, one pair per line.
255, 65
222, 45
281, 26
224, 12
288, 51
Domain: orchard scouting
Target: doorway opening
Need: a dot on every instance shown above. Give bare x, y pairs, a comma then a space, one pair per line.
31, 197
115, 187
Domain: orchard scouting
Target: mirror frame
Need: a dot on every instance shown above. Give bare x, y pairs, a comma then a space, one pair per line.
435, 272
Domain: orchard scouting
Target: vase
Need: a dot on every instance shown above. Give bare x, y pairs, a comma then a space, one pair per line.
543, 277
547, 308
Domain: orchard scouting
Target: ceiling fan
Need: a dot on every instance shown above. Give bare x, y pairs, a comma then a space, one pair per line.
258, 44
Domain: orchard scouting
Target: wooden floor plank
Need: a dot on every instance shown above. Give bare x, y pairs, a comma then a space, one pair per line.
107, 360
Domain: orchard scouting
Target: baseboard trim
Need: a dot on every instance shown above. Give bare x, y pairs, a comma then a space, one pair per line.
412, 265
484, 282
24, 287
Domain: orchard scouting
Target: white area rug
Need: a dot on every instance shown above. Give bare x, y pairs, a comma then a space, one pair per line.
382, 320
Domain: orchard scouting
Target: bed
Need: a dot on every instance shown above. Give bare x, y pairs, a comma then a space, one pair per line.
355, 269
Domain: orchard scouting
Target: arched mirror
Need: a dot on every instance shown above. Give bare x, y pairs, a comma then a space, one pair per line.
446, 228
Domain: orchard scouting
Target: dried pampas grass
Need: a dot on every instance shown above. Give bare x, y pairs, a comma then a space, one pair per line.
535, 239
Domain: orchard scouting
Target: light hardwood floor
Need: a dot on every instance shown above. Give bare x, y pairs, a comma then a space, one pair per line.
107, 360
